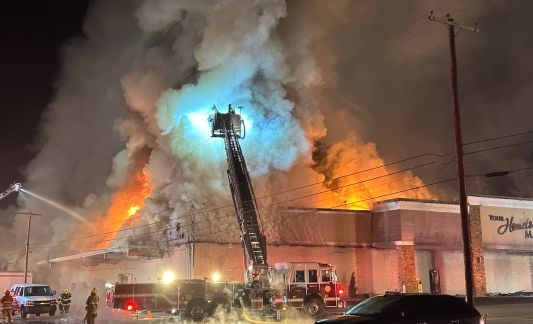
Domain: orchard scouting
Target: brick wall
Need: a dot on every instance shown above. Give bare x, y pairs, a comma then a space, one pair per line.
407, 267
478, 260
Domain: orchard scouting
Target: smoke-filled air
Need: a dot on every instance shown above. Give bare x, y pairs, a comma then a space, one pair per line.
126, 145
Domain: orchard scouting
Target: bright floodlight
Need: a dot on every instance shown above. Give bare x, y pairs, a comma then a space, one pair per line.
168, 277
216, 276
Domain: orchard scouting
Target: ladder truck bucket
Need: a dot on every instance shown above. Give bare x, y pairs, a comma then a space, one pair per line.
219, 122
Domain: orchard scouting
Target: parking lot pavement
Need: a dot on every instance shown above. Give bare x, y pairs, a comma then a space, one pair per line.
520, 313
516, 313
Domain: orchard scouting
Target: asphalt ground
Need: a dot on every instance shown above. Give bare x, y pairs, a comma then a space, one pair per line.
504, 311
508, 313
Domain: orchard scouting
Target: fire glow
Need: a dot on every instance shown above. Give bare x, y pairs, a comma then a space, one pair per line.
124, 207
346, 188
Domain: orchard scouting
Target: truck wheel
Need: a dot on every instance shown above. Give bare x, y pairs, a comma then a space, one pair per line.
52, 313
196, 310
314, 306
23, 312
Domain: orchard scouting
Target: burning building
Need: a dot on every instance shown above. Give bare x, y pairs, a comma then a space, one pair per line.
399, 245
126, 144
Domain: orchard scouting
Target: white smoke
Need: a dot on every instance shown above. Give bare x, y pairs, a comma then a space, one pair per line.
229, 57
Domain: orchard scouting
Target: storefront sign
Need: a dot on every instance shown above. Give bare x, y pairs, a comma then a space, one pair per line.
506, 226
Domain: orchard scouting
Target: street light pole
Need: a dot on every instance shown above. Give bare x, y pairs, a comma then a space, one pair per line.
465, 222
29, 213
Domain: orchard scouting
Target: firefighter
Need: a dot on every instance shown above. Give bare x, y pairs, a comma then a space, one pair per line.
91, 307
7, 303
64, 301
278, 304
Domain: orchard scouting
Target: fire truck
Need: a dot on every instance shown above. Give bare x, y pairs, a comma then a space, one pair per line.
193, 299
312, 286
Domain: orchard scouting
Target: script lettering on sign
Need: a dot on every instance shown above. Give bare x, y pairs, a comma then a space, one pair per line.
509, 225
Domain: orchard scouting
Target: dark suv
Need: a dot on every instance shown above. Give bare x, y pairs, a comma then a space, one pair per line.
410, 309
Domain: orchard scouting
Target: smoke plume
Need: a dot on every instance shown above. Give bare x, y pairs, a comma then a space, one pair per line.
130, 118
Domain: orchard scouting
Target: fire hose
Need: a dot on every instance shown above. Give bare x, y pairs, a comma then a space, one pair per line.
251, 320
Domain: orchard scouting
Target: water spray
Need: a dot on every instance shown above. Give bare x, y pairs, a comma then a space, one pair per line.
53, 203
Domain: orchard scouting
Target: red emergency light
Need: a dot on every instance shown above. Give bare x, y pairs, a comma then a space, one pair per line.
341, 290
131, 305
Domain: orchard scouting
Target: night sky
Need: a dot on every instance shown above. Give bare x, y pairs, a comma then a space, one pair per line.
32, 33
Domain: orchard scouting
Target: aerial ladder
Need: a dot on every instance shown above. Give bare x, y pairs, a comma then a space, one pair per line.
13, 188
231, 127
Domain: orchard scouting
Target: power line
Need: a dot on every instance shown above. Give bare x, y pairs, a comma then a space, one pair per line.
306, 213
359, 182
315, 211
128, 229
499, 147
498, 138
263, 207
302, 197
356, 172
278, 203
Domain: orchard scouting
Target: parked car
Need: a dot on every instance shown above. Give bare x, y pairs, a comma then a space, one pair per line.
33, 299
409, 309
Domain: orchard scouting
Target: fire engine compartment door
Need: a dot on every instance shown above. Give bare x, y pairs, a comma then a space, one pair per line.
328, 287
297, 286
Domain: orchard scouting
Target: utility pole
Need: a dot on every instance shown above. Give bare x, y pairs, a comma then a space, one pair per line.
465, 222
30, 214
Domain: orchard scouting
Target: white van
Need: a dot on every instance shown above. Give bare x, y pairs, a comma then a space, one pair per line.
34, 299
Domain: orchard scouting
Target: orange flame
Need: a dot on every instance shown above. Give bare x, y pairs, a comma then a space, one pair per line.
123, 209
354, 180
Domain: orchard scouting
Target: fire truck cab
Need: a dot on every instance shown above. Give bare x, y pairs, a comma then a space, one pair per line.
312, 286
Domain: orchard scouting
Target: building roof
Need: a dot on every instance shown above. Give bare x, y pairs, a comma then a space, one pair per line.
500, 201
86, 254
415, 204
